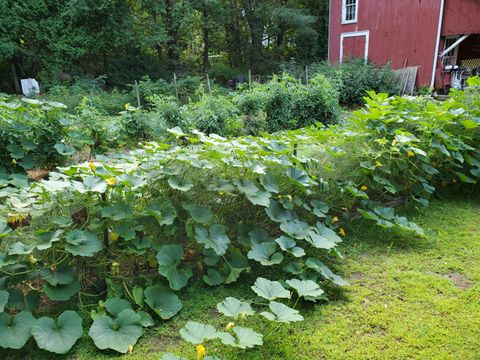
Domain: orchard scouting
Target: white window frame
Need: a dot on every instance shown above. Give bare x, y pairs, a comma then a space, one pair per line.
454, 51
355, 34
344, 13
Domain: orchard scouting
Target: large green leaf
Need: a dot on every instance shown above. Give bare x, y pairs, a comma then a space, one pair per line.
61, 292
270, 183
177, 183
58, 336
169, 259
281, 313
82, 243
117, 334
94, 184
62, 275
234, 308
299, 176
20, 302
278, 213
197, 333
245, 338
20, 248
116, 305
47, 238
213, 277
163, 301
307, 289
4, 228
246, 186
261, 198
215, 239
289, 245
270, 290
319, 267
117, 212
201, 215
295, 228
3, 300
265, 254
323, 237
15, 330
162, 210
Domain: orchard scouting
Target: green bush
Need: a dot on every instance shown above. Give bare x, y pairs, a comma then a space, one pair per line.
289, 104
356, 78
31, 131
213, 114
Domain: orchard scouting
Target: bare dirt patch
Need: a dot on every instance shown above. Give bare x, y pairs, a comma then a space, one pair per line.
459, 280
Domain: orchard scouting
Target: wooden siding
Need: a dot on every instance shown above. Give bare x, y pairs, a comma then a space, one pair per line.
461, 17
401, 32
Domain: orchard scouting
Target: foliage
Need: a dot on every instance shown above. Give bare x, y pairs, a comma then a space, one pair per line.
137, 225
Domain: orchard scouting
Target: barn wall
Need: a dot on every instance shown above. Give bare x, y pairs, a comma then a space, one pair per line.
400, 31
461, 17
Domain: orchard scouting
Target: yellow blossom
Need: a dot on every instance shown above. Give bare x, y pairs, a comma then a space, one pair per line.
243, 315
394, 142
113, 236
342, 232
92, 166
410, 153
127, 105
130, 349
14, 162
378, 164
335, 219
230, 325
200, 352
115, 268
364, 188
111, 181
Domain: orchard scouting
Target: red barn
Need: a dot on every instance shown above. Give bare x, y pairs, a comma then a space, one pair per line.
407, 33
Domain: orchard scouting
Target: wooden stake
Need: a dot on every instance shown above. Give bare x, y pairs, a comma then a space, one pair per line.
250, 79
208, 84
175, 82
139, 105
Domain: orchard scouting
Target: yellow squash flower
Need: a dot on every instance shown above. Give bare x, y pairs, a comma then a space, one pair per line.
378, 164
410, 153
92, 166
111, 181
230, 326
127, 105
342, 232
14, 162
364, 188
113, 236
130, 349
200, 352
335, 219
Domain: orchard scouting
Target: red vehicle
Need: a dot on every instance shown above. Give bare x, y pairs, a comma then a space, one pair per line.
427, 34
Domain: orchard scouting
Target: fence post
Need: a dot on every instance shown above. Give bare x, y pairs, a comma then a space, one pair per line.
175, 82
306, 73
250, 79
139, 105
208, 84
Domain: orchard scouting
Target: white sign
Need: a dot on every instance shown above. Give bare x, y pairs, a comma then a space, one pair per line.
30, 87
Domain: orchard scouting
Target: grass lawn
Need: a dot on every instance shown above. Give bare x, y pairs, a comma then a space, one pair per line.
409, 299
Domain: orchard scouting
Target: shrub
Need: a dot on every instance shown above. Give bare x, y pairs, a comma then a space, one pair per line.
213, 114
356, 78
30, 131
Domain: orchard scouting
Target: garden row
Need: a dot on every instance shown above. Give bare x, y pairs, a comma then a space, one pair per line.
115, 240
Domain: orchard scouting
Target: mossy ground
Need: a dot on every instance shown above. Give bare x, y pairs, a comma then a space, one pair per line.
409, 298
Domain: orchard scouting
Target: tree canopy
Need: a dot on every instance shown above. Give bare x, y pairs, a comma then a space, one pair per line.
126, 39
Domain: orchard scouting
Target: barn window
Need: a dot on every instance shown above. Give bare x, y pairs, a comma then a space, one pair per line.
450, 58
349, 11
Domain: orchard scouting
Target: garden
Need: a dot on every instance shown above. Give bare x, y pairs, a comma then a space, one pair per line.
195, 222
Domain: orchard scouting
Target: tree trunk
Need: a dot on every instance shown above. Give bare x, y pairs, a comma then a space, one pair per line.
234, 36
206, 42
13, 69
256, 33
172, 51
